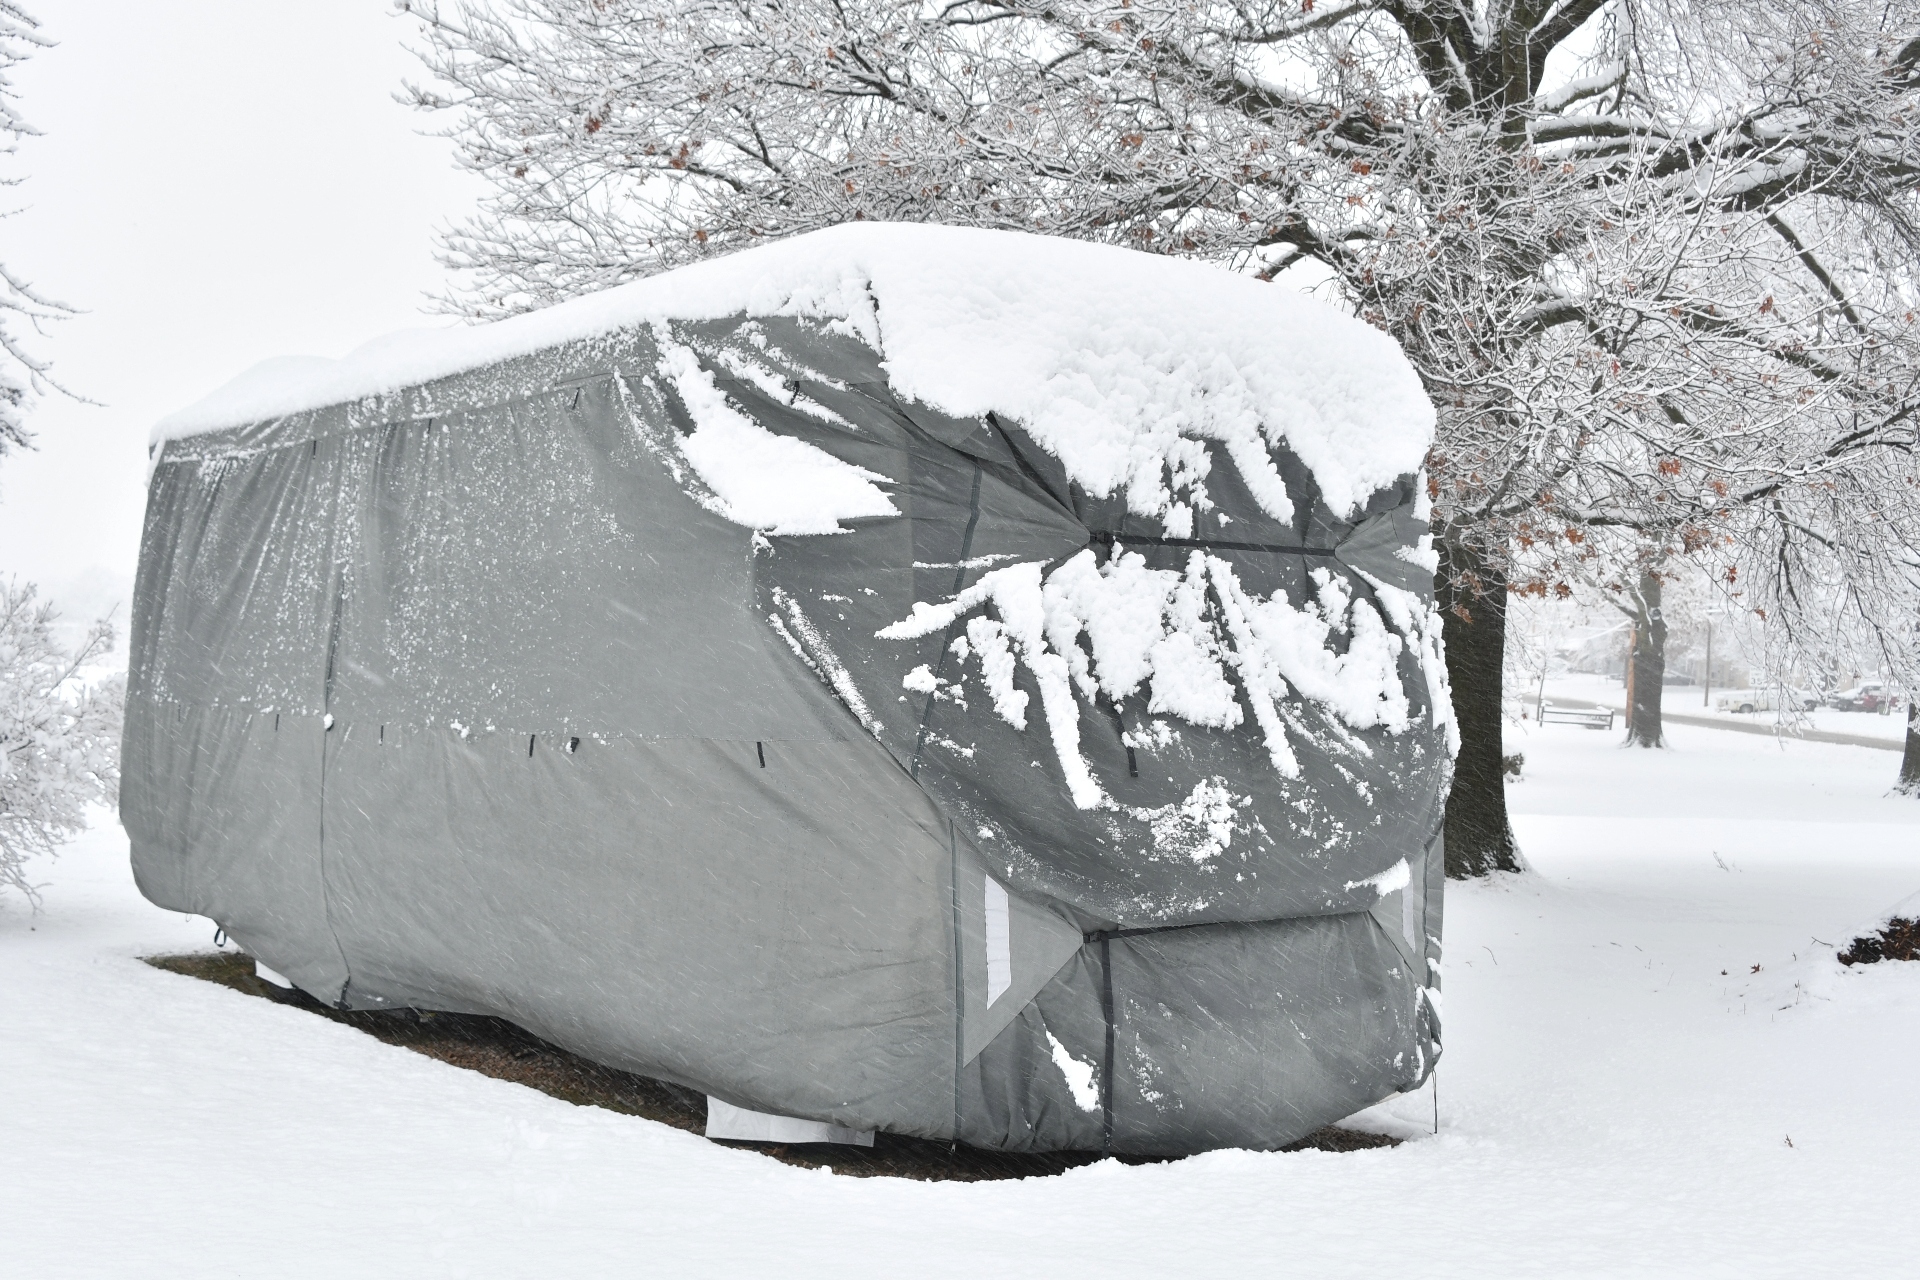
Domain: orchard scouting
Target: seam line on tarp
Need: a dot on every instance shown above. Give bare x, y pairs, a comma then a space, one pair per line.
1106, 1071
959, 977
326, 731
946, 640
1101, 935
196, 447
1108, 537
1030, 473
1119, 715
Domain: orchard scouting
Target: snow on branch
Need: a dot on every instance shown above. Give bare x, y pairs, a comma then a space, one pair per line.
23, 375
1559, 210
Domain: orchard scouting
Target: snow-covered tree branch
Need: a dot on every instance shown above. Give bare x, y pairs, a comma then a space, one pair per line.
1653, 259
23, 309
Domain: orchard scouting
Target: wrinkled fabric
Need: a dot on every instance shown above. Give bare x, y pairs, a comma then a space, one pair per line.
468, 698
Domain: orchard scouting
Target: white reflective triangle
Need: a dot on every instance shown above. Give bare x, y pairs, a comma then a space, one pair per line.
1008, 946
999, 942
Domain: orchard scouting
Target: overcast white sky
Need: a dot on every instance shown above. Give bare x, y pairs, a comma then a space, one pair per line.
219, 181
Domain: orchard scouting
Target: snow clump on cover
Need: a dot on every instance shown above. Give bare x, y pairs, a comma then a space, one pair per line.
1201, 826
1119, 363
1153, 627
1080, 1075
1392, 880
762, 480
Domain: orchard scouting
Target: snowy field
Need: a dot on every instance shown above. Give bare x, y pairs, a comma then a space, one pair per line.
1680, 699
1623, 1095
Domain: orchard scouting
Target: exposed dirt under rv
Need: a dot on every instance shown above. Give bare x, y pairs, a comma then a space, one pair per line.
495, 1047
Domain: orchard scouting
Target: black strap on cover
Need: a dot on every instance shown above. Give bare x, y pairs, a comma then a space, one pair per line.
1107, 538
953, 628
1106, 1070
959, 979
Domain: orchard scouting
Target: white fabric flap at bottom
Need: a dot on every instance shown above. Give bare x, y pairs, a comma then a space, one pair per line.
724, 1120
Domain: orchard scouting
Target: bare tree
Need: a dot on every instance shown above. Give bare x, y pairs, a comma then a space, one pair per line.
1652, 258
23, 374
1909, 783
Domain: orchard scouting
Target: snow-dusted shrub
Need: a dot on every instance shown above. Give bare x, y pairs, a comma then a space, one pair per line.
1898, 939
59, 733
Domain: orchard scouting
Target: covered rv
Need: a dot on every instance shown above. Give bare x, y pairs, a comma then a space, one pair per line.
952, 683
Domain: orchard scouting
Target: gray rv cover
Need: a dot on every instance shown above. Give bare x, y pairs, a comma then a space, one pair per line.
954, 683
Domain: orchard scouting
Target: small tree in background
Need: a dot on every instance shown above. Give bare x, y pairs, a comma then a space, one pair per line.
59, 733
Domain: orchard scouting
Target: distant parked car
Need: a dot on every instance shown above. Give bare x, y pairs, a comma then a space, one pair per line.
1748, 701
1869, 695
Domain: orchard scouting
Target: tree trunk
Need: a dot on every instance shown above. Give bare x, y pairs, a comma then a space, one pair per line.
1473, 605
1909, 783
1647, 669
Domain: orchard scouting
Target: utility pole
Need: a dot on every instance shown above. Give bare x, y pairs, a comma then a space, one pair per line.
1546, 657
1706, 685
1706, 695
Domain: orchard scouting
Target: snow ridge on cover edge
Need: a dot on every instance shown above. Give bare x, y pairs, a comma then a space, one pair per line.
1109, 357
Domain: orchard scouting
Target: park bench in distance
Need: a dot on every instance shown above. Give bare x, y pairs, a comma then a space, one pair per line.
1591, 717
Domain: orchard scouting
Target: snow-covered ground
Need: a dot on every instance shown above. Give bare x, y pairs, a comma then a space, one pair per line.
1680, 699
1623, 1094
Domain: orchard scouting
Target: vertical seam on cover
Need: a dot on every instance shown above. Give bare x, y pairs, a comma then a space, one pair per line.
326, 730
946, 640
959, 977
1106, 1073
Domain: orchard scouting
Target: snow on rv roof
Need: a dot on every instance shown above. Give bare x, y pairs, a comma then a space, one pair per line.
1105, 355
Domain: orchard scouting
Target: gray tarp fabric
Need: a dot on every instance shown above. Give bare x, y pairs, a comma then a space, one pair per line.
462, 698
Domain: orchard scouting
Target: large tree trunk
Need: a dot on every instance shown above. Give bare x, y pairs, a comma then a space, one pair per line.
1910, 762
1647, 667
1473, 604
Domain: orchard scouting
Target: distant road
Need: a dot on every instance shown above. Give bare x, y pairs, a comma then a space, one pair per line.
1738, 726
